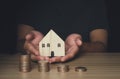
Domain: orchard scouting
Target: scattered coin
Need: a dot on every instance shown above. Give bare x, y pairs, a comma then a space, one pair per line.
80, 68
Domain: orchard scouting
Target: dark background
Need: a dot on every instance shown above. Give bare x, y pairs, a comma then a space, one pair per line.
9, 8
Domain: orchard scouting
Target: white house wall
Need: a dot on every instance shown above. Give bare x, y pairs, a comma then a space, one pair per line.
53, 39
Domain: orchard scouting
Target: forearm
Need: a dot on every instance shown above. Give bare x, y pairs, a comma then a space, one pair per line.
22, 30
93, 47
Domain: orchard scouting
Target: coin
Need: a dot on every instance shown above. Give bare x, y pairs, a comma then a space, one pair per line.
80, 68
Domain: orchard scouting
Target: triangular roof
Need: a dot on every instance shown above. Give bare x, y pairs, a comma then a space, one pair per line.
51, 34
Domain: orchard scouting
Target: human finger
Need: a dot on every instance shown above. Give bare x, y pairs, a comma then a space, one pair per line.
55, 59
40, 57
29, 36
46, 58
37, 58
31, 48
37, 37
79, 42
70, 54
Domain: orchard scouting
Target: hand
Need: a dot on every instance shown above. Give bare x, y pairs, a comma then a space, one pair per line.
72, 44
32, 43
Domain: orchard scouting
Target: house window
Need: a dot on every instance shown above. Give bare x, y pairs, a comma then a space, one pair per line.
59, 45
43, 45
48, 44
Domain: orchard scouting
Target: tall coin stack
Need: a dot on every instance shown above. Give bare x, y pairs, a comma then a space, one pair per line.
24, 63
43, 66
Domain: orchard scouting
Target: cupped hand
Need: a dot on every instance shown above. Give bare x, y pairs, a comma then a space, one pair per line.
72, 44
31, 45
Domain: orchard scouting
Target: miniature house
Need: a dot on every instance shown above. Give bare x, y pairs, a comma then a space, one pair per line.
52, 45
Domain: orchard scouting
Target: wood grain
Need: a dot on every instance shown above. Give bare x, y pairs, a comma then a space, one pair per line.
99, 66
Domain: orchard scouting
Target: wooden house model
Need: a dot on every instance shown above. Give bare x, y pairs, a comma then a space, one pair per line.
52, 45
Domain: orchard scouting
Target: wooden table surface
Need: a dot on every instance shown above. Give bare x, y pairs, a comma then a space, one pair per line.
99, 66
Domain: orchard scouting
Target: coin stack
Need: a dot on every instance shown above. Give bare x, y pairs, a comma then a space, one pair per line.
24, 63
43, 66
63, 68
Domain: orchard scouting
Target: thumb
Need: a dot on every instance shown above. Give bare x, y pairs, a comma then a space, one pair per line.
79, 42
29, 36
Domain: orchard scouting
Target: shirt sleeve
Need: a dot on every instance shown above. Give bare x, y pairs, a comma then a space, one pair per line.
97, 15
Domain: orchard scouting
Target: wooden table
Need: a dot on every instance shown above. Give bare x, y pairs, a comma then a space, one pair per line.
99, 65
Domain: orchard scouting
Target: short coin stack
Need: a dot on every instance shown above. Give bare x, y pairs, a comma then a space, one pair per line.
63, 68
24, 63
43, 66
